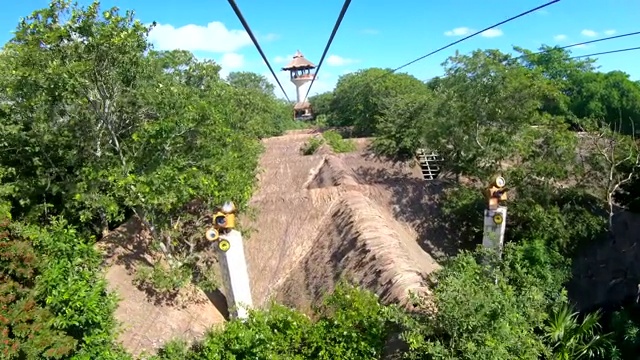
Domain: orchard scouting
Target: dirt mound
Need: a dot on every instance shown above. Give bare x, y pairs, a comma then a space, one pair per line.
331, 172
319, 218
360, 243
147, 320
323, 222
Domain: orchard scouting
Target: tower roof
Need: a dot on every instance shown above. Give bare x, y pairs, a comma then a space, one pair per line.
299, 62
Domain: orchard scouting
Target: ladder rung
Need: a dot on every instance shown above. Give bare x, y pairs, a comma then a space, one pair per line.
429, 164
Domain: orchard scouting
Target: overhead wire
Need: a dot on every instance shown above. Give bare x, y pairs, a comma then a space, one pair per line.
588, 42
467, 37
476, 33
578, 44
345, 7
606, 52
236, 10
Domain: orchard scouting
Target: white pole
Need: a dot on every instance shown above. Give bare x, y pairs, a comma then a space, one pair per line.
495, 221
235, 275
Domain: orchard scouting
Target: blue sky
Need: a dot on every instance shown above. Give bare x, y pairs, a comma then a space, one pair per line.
373, 33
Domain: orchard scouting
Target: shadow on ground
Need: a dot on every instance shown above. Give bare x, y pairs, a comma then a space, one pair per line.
219, 300
417, 203
118, 246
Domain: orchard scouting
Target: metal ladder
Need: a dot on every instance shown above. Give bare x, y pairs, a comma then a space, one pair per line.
429, 164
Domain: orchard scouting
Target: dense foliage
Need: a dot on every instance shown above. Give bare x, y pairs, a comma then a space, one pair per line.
97, 126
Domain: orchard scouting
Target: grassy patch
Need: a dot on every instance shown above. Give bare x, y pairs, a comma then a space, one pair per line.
337, 143
312, 145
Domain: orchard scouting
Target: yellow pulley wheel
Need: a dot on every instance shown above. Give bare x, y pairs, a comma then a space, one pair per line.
212, 234
498, 219
224, 245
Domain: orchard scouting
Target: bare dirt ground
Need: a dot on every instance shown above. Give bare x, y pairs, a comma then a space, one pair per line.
320, 218
147, 320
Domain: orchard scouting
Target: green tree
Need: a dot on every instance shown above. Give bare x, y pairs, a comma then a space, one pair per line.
611, 162
625, 324
249, 80
586, 93
611, 97
321, 103
107, 127
402, 124
360, 97
71, 115
481, 314
556, 65
486, 107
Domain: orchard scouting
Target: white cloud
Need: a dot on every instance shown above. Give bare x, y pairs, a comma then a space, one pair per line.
459, 31
491, 33
589, 33
609, 32
335, 60
230, 62
270, 37
215, 37
560, 37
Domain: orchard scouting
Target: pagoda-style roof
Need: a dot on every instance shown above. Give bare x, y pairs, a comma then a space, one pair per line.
299, 62
302, 106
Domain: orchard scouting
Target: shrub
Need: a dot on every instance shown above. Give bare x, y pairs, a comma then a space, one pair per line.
312, 145
70, 285
351, 324
337, 143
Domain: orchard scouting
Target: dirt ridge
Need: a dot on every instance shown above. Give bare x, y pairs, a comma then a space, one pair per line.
360, 242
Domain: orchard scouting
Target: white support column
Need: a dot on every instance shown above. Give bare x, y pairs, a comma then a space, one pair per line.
235, 275
494, 230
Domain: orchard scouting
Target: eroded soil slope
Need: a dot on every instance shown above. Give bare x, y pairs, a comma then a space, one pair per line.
319, 218
147, 320
325, 217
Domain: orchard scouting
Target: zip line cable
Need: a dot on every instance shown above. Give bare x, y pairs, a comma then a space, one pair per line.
476, 33
589, 42
345, 6
574, 45
236, 10
388, 72
607, 52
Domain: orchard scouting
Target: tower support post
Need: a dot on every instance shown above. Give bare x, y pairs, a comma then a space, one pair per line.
235, 275
495, 221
